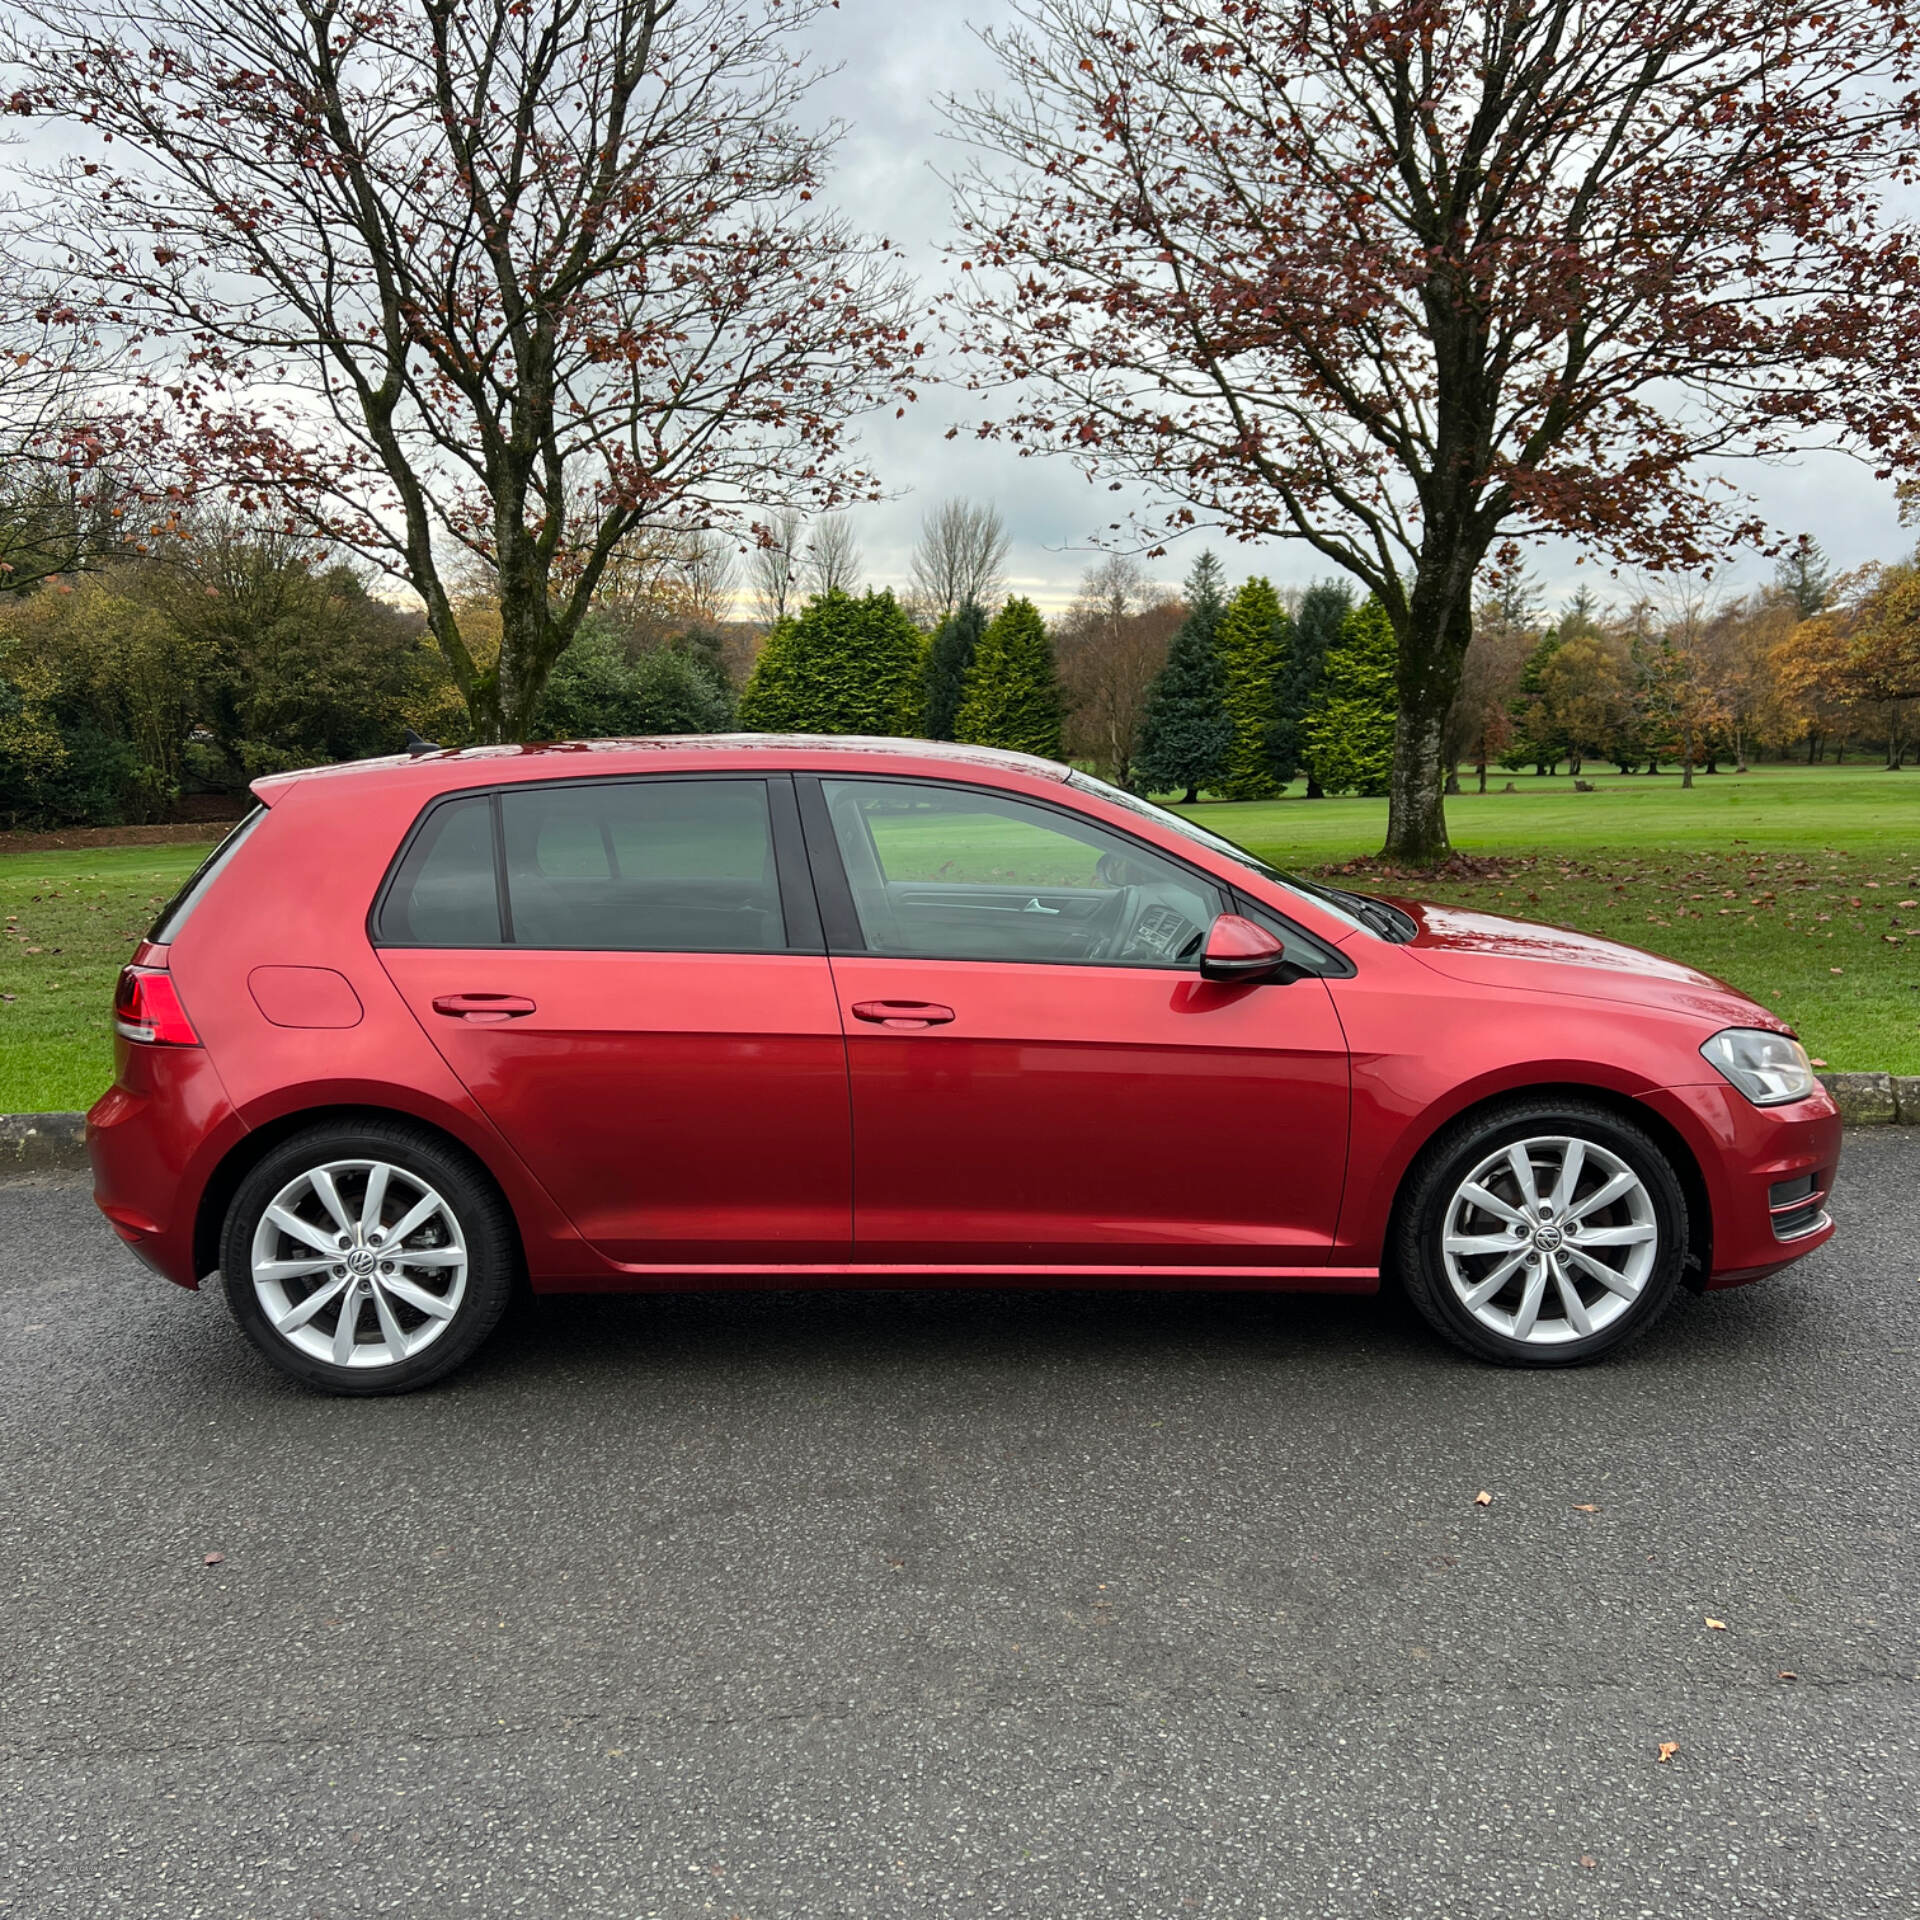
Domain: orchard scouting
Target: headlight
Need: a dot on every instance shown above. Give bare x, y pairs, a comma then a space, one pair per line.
1769, 1068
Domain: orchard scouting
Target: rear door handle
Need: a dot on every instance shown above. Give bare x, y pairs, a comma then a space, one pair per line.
482, 1009
902, 1013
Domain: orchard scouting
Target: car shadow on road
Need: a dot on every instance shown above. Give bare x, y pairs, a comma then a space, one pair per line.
1088, 1329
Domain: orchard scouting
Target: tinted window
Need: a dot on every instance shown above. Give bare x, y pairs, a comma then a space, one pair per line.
174, 915
966, 874
676, 866
446, 894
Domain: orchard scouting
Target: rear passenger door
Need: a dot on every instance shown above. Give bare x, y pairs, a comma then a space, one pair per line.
629, 977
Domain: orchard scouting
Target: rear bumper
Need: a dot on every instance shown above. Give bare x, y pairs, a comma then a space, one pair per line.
1745, 1152
154, 1137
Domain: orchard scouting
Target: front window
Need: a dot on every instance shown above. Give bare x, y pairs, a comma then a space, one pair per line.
1370, 916
963, 873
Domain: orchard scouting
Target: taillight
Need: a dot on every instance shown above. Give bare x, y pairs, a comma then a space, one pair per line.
146, 1007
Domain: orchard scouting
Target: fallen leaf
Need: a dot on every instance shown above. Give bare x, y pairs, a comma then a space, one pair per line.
1816, 1063
1483, 1498
1786, 1673
1719, 1626
1668, 1748
1587, 1860
1586, 1509
214, 1560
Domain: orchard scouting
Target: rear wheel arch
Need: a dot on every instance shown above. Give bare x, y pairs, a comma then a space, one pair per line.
253, 1146
1664, 1134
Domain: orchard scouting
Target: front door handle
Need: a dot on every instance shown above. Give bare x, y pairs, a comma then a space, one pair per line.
902, 1013
482, 1009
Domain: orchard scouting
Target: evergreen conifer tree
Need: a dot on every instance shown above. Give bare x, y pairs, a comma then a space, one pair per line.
1012, 696
846, 665
1187, 731
1254, 638
1350, 727
1535, 737
1315, 629
955, 642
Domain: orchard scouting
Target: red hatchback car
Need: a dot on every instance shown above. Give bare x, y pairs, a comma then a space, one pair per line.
801, 1012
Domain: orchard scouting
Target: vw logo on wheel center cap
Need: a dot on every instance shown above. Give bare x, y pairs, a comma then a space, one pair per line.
361, 1261
1547, 1238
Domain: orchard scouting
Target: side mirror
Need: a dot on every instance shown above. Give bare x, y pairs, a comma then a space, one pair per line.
1241, 953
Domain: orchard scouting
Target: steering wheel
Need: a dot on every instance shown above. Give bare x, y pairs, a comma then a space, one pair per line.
1146, 926
1152, 929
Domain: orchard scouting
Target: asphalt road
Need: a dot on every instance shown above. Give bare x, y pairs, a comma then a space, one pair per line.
965, 1604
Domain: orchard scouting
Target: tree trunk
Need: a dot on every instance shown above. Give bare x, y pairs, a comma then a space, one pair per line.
1483, 776
1314, 789
1686, 757
1433, 648
1191, 795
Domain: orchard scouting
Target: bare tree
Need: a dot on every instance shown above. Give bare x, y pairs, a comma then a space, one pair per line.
64, 490
831, 563
775, 564
960, 556
1403, 279
512, 278
708, 570
1110, 645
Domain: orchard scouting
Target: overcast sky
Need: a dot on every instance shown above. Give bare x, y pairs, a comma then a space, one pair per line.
895, 56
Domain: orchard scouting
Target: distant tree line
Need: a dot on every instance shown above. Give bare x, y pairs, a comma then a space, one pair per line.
173, 671
158, 682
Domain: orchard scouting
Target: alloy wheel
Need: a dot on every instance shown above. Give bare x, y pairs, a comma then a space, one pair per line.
359, 1263
1550, 1240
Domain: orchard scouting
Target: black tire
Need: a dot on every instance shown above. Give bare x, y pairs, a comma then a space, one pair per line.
475, 1204
1419, 1225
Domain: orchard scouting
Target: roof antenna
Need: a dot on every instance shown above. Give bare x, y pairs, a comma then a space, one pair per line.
416, 746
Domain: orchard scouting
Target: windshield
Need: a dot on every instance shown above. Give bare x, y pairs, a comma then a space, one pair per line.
1350, 907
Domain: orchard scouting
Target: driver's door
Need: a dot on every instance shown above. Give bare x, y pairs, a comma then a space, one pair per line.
1040, 1078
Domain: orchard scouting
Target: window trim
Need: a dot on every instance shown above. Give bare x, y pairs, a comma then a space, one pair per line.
799, 911
841, 920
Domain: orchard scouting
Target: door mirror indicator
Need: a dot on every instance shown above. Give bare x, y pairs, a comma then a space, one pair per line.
1240, 952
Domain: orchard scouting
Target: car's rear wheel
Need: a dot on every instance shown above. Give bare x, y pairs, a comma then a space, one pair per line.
367, 1258
1542, 1233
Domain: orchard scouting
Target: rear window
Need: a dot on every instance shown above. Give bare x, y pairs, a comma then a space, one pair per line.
679, 866
176, 913
662, 866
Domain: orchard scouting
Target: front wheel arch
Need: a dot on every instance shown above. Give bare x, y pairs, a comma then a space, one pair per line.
1664, 1134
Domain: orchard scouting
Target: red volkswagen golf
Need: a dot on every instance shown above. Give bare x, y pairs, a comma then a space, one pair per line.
815, 1012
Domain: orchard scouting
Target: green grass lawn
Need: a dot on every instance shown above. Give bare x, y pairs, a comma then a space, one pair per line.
71, 922
1796, 884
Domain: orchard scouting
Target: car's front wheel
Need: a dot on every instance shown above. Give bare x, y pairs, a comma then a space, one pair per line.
367, 1258
1542, 1233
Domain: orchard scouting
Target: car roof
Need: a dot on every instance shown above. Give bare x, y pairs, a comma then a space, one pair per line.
474, 765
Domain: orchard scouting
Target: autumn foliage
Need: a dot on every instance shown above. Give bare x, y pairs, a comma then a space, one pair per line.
462, 283
1404, 280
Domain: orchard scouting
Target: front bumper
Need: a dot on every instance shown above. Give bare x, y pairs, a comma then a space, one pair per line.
1745, 1152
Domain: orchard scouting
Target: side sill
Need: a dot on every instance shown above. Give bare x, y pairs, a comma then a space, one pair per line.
730, 1276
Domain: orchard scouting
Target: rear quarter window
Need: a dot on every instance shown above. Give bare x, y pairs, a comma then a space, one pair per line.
179, 910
